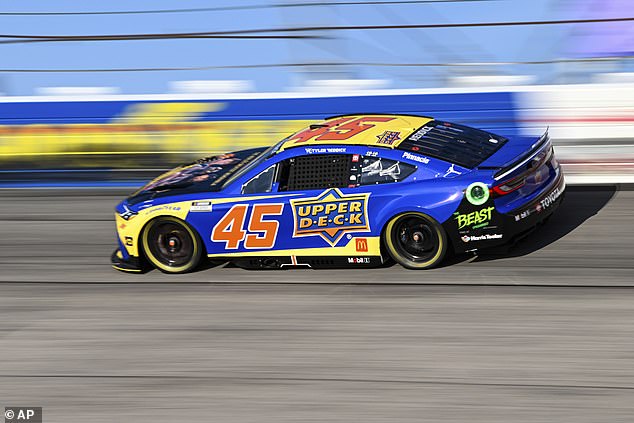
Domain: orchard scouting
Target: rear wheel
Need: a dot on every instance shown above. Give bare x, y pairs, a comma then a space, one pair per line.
171, 245
415, 240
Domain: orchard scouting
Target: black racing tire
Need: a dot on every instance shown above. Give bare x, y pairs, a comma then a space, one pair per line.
171, 245
415, 240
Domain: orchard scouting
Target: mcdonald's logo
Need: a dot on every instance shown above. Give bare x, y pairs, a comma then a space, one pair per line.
362, 244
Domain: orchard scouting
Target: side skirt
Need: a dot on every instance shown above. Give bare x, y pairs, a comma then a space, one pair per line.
310, 262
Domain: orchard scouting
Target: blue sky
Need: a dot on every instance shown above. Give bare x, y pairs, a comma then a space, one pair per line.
386, 46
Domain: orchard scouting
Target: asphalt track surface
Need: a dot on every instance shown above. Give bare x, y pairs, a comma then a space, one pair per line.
541, 333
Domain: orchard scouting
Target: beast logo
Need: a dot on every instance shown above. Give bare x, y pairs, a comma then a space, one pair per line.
331, 215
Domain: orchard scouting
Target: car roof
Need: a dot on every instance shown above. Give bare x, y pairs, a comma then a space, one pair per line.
379, 130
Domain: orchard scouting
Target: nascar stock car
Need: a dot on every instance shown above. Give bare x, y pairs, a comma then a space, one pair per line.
347, 191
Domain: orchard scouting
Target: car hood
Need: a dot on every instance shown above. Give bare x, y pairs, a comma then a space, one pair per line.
204, 175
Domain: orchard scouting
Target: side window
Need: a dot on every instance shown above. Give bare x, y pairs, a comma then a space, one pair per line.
315, 172
260, 183
379, 170
338, 171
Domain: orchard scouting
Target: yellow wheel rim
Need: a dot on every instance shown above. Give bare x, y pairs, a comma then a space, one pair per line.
405, 261
155, 260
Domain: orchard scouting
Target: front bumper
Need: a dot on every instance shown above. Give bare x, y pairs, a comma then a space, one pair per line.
129, 264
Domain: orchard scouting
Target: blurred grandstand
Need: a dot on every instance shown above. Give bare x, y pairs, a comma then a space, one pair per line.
509, 66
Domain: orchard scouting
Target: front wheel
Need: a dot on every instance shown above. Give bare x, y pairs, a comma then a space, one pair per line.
171, 245
415, 240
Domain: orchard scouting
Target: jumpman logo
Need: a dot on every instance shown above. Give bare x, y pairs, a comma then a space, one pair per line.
450, 171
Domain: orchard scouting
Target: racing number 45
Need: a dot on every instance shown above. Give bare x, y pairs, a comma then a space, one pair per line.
260, 233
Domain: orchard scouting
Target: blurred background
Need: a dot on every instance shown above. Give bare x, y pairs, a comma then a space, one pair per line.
111, 94
108, 94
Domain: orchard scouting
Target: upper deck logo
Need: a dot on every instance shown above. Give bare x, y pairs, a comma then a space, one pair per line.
388, 137
331, 215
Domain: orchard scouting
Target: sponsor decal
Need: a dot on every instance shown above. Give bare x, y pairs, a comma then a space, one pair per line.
162, 208
128, 241
485, 237
359, 260
415, 157
522, 215
325, 150
330, 215
477, 193
549, 200
127, 214
388, 137
451, 171
361, 244
420, 133
200, 206
474, 220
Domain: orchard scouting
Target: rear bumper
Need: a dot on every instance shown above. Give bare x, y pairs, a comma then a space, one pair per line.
504, 228
530, 215
129, 264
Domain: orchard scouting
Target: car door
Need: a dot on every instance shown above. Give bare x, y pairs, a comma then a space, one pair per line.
321, 214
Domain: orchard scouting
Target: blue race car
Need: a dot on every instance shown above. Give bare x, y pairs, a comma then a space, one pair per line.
348, 191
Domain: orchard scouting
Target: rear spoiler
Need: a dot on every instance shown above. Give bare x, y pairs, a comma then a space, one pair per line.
517, 163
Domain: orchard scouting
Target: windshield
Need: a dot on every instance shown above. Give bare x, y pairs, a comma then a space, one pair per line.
208, 174
251, 164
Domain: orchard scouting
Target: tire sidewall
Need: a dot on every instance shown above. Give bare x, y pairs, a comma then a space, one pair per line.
196, 256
